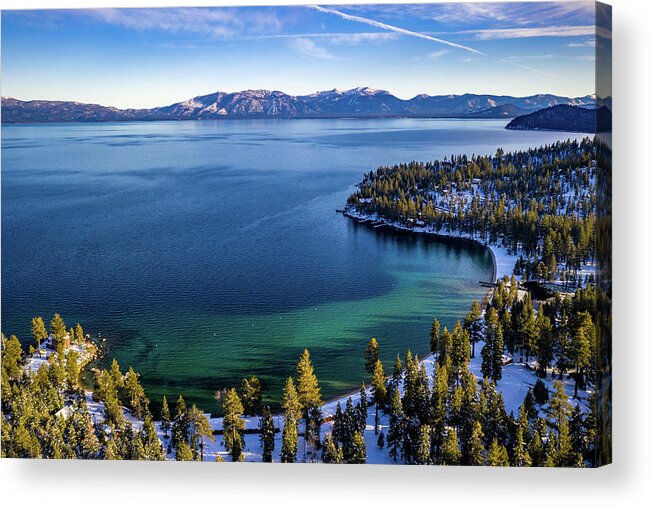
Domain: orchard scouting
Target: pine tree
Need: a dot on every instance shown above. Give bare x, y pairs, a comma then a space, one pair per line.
395, 435
309, 396
526, 327
491, 353
136, 448
12, 360
72, 369
136, 394
292, 408
79, 334
38, 330
423, 446
165, 422
183, 452
544, 343
549, 459
378, 390
410, 385
363, 406
181, 425
450, 452
358, 449
111, 450
331, 453
559, 403
438, 402
498, 351
58, 330
476, 446
434, 337
291, 404
577, 436
396, 375
497, 455
251, 395
90, 445
200, 429
473, 325
338, 430
116, 375
445, 344
581, 354
233, 424
153, 447
564, 455
267, 435
290, 439
459, 351
521, 457
371, 356
529, 404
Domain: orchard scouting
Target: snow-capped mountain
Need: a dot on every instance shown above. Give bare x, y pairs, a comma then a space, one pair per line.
356, 102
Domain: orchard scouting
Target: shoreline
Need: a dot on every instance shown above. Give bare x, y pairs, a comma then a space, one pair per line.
503, 262
497, 274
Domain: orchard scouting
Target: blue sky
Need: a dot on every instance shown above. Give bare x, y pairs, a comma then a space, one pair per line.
151, 57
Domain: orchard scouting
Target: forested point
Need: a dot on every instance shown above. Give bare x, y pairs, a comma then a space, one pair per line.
540, 204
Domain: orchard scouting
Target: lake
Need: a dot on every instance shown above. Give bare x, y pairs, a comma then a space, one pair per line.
204, 252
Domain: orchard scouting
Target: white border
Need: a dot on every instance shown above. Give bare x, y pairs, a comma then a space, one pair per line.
626, 482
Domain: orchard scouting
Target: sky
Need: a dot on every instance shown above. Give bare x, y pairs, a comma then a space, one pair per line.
153, 57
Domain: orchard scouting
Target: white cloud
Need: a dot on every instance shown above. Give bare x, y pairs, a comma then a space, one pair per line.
338, 38
589, 43
512, 13
353, 39
437, 54
522, 33
216, 23
309, 48
547, 56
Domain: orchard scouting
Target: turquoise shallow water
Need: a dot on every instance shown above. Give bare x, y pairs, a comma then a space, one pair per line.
207, 251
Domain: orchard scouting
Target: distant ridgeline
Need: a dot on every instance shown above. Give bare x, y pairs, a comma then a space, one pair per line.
538, 203
362, 102
560, 117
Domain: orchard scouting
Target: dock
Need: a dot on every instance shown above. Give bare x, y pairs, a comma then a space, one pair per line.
488, 284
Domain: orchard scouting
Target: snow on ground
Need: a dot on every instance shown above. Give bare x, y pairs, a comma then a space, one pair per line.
96, 411
85, 353
517, 379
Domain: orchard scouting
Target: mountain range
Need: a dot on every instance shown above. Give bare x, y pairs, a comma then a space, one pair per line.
353, 103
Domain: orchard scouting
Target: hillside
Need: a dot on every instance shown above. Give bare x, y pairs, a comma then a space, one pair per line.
560, 117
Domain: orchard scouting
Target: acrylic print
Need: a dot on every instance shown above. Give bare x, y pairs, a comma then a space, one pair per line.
343, 234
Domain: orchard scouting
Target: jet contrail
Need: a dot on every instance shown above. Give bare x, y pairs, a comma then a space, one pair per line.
527, 67
391, 28
396, 29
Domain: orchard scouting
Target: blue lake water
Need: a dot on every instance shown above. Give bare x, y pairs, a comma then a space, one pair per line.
207, 251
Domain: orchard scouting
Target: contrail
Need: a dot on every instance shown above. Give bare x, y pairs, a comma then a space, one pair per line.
391, 28
527, 67
396, 29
